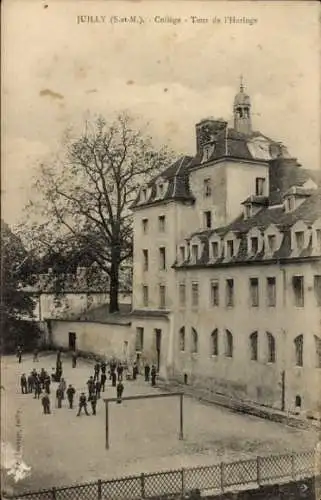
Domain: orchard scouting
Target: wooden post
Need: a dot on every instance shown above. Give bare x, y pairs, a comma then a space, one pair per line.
258, 471
107, 426
183, 482
283, 390
99, 489
53, 491
222, 476
142, 485
181, 422
293, 466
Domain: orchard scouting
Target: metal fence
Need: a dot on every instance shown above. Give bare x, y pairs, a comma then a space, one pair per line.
214, 478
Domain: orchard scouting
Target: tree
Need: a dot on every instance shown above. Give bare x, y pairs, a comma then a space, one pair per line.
17, 306
84, 196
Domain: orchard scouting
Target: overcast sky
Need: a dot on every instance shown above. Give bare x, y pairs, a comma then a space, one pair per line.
54, 71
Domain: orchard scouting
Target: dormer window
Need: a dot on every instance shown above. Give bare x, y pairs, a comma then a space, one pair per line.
208, 150
271, 242
318, 239
254, 245
290, 204
229, 249
182, 253
248, 211
144, 194
194, 253
215, 249
259, 186
160, 189
207, 216
299, 240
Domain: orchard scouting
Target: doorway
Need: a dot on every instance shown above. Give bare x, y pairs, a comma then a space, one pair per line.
72, 341
158, 339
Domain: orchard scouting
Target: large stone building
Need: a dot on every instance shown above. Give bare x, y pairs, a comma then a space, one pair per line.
226, 271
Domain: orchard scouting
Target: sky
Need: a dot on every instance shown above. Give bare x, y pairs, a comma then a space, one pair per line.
56, 72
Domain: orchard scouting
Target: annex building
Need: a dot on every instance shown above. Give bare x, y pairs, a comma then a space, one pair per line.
227, 271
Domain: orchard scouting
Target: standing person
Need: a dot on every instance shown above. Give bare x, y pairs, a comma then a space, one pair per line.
58, 370
113, 379
37, 387
82, 404
59, 396
70, 395
147, 372
46, 384
112, 368
153, 375
30, 382
120, 390
23, 384
97, 389
93, 402
96, 371
103, 367
35, 355
91, 386
74, 359
45, 401
19, 353
63, 387
42, 376
120, 370
135, 371
58, 356
103, 382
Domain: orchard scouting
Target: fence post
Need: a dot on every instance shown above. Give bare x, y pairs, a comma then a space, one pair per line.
293, 466
99, 489
53, 492
142, 485
258, 471
183, 482
222, 476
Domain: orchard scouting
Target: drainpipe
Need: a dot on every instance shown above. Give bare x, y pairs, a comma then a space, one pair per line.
283, 373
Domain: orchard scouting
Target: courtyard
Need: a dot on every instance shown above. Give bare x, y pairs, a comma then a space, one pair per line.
62, 449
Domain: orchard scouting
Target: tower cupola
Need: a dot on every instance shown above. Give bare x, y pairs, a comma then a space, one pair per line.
242, 111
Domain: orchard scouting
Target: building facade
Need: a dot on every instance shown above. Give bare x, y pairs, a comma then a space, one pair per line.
226, 269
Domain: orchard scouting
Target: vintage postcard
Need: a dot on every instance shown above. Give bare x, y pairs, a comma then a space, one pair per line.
160, 250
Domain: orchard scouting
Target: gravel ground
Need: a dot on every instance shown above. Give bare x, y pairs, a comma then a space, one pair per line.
62, 449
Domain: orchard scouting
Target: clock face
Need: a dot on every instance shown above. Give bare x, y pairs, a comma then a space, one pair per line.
260, 149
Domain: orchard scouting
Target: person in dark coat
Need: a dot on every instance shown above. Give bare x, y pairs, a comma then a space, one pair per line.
46, 384
19, 353
59, 396
63, 387
135, 371
91, 387
113, 379
42, 376
74, 359
112, 369
120, 370
97, 389
82, 404
70, 395
30, 382
37, 387
96, 371
24, 384
93, 402
45, 401
103, 367
58, 370
147, 372
153, 375
103, 379
120, 390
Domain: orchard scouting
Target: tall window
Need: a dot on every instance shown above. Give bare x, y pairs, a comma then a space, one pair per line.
228, 344
271, 241
229, 248
271, 354
194, 253
161, 223
271, 291
207, 219
298, 290
215, 249
214, 342
299, 240
254, 346
162, 258
230, 292
195, 294
254, 245
194, 344
317, 289
207, 190
145, 226
182, 253
298, 345
145, 295
259, 186
318, 239
139, 338
317, 342
215, 297
254, 292
162, 296
145, 259
182, 339
182, 294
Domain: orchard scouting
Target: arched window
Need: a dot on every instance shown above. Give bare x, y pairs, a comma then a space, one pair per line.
254, 346
270, 347
228, 344
182, 339
298, 344
194, 346
214, 342
317, 342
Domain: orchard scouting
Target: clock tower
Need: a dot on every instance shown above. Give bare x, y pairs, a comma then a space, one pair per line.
242, 111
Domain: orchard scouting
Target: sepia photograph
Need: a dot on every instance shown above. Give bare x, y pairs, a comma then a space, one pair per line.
160, 250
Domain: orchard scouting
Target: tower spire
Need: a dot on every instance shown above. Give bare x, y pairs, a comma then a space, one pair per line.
241, 83
242, 111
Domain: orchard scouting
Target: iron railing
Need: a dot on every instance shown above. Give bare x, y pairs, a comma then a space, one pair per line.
177, 483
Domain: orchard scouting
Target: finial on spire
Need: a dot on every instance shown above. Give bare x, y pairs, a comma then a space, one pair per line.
241, 83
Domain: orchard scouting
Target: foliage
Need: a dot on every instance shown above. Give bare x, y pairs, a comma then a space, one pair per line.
84, 198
